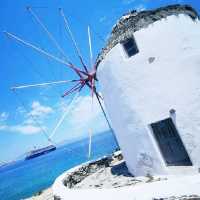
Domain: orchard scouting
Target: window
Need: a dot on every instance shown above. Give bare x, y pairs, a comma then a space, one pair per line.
130, 47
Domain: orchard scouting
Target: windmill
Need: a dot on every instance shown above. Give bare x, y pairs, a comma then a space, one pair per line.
86, 75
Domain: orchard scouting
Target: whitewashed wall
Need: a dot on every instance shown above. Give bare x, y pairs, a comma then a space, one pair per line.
137, 92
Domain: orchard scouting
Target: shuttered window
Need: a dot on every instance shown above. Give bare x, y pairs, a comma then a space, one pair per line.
130, 47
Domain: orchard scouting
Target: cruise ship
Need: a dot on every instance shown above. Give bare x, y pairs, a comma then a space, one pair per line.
39, 152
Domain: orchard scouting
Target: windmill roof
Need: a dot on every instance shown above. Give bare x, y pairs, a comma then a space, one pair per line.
134, 21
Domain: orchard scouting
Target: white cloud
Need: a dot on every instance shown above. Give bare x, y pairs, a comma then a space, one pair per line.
26, 129
23, 129
29, 121
83, 117
39, 110
3, 116
27, 125
79, 120
83, 110
21, 110
77, 117
3, 127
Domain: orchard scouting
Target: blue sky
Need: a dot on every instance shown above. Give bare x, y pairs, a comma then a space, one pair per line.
21, 65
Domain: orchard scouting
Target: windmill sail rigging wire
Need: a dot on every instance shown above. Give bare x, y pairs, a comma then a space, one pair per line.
44, 53
76, 87
33, 118
104, 113
105, 116
67, 27
82, 22
47, 31
38, 72
42, 129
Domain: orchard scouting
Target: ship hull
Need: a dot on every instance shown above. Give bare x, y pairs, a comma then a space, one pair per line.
39, 152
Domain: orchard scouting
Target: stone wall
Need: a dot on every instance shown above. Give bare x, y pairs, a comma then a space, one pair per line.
85, 170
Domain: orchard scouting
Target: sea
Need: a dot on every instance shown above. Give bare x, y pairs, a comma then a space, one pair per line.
24, 178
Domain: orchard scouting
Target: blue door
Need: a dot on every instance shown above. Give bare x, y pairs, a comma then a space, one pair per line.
170, 143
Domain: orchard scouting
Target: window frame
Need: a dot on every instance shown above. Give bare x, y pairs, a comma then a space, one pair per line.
157, 145
133, 47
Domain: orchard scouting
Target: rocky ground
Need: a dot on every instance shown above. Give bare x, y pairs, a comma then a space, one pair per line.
106, 173
112, 173
43, 195
184, 197
113, 176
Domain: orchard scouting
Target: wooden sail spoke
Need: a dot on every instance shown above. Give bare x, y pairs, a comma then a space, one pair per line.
64, 115
75, 88
90, 47
68, 29
51, 37
42, 84
49, 55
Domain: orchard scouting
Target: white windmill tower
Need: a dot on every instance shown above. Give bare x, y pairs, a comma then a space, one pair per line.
150, 77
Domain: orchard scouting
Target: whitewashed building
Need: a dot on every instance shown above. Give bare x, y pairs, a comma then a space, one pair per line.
149, 72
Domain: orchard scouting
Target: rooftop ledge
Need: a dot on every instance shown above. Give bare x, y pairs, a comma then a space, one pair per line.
134, 21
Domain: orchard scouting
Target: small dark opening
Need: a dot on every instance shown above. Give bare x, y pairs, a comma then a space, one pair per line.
130, 47
170, 143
